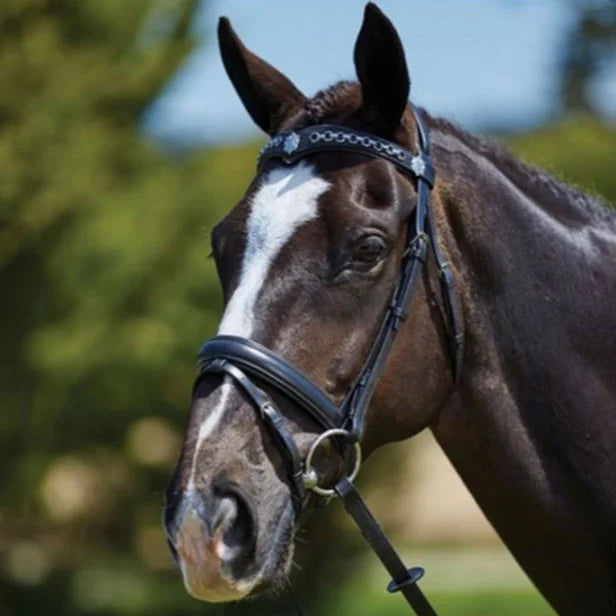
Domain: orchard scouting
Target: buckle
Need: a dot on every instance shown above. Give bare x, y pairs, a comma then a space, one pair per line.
417, 247
444, 272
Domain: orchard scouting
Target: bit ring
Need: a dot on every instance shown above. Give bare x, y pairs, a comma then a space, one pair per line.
310, 477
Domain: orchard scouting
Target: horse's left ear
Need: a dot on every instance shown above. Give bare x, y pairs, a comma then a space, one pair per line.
382, 71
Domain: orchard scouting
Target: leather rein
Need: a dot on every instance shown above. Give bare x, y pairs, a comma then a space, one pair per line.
244, 360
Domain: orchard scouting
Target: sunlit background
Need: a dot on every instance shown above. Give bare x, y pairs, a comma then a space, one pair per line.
121, 143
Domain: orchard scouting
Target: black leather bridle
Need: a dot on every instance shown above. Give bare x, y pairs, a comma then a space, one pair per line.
244, 360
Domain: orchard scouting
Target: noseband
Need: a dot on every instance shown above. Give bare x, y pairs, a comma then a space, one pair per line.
244, 360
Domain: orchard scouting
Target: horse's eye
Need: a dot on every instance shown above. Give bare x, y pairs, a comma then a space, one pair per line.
369, 250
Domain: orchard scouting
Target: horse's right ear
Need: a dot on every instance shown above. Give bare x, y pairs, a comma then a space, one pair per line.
269, 97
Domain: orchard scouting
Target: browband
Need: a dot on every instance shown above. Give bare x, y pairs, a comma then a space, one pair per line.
292, 145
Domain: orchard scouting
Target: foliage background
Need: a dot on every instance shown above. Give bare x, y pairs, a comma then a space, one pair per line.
105, 290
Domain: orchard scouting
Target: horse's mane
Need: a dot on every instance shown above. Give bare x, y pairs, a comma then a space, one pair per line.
536, 182
344, 97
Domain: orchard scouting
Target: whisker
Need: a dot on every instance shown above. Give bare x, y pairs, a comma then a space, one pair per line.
298, 609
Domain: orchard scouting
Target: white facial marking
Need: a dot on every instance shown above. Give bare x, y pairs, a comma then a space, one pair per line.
286, 200
208, 426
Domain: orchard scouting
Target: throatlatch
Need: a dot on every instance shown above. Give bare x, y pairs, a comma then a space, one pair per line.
244, 360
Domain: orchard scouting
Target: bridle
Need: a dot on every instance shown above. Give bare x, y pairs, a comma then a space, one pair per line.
244, 360
249, 363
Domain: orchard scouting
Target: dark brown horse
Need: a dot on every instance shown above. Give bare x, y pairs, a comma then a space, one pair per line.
308, 261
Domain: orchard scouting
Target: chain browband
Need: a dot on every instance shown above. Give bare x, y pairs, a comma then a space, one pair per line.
242, 359
293, 145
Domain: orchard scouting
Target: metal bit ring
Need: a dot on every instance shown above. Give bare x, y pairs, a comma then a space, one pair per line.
310, 476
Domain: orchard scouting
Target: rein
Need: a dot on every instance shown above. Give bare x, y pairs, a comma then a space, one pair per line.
244, 360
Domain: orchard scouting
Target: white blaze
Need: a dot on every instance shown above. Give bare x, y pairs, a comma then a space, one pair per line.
207, 427
286, 200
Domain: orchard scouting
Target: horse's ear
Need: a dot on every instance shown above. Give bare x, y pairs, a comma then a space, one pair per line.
269, 97
382, 72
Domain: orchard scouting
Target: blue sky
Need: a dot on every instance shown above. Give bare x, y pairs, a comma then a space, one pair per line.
481, 64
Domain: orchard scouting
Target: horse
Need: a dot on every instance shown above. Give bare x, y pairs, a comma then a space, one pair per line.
309, 261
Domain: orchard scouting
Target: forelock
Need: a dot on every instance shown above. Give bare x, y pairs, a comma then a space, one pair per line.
333, 104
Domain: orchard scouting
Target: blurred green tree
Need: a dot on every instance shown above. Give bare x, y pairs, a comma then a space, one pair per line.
579, 149
102, 266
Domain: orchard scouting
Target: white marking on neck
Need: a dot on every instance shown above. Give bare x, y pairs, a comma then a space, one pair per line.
286, 200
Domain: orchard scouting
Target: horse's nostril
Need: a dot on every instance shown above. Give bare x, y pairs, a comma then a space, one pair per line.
233, 526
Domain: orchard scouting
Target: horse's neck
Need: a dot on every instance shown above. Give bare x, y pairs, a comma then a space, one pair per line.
532, 426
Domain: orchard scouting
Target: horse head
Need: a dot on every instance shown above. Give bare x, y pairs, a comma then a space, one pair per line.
308, 261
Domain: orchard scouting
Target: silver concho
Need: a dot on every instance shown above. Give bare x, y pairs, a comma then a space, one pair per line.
418, 165
291, 143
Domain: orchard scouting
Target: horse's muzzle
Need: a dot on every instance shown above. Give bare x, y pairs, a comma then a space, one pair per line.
213, 537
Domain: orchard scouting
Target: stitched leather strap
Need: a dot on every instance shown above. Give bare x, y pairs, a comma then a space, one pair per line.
357, 400
450, 299
260, 362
